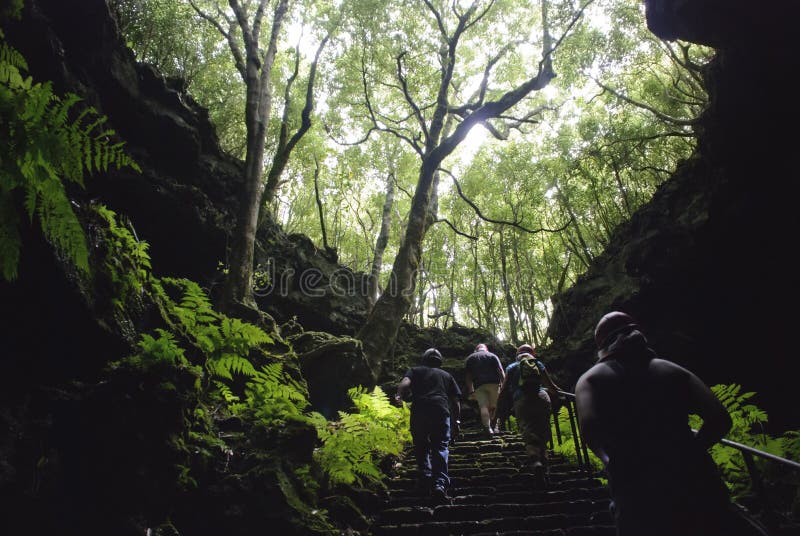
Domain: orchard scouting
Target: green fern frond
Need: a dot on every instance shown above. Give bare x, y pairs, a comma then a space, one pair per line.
60, 224
163, 348
229, 364
11, 58
226, 392
42, 148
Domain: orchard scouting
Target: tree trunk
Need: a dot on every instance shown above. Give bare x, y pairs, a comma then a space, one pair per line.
512, 318
379, 332
238, 289
381, 242
319, 206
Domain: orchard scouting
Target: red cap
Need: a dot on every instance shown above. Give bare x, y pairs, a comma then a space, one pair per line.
526, 349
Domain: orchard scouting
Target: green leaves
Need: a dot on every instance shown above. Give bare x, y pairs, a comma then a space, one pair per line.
748, 428
42, 149
163, 348
353, 446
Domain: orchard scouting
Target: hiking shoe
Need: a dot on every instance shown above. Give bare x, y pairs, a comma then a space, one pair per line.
538, 474
440, 496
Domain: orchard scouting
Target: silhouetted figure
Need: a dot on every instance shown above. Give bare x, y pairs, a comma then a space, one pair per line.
483, 376
434, 393
634, 410
529, 400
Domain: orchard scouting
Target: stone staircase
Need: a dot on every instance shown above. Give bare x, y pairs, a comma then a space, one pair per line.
494, 493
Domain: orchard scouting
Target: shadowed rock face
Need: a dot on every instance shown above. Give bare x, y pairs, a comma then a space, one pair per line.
183, 202
705, 265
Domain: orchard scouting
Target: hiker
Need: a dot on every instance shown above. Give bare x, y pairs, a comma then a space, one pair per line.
633, 411
434, 394
527, 384
483, 376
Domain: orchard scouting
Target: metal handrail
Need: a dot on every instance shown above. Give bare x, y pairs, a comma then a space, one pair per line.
747, 451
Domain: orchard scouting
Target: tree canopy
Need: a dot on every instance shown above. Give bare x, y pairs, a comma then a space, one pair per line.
541, 127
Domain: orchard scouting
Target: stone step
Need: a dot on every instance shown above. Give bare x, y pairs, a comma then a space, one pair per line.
508, 470
493, 491
490, 496
488, 459
492, 470
499, 525
477, 512
520, 480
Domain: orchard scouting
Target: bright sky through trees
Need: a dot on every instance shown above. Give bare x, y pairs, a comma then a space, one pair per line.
615, 120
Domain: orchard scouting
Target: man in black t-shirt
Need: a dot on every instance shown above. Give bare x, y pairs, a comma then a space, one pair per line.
483, 375
634, 410
433, 393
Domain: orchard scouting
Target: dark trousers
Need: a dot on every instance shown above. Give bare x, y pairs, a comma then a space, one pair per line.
430, 433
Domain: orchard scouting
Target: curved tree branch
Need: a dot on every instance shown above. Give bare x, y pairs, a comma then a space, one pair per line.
453, 227
664, 117
514, 224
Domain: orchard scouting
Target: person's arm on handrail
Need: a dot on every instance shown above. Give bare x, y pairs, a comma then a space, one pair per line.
716, 420
589, 424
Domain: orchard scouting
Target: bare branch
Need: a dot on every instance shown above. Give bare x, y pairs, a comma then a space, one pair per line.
479, 16
514, 224
453, 227
258, 19
404, 86
244, 24
238, 57
664, 117
285, 147
438, 17
376, 127
397, 184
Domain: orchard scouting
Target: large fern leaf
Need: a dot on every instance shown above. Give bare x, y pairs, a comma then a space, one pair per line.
42, 148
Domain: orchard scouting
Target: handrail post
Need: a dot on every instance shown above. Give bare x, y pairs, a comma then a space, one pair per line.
575, 436
755, 478
555, 411
583, 443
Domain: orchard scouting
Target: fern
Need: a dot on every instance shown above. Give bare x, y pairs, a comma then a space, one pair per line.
353, 446
163, 348
229, 364
567, 445
42, 149
748, 428
272, 398
126, 260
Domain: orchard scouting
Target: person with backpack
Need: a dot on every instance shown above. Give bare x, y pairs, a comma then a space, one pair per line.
483, 375
435, 406
633, 414
527, 384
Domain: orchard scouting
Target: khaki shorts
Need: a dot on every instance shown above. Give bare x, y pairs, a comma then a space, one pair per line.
486, 395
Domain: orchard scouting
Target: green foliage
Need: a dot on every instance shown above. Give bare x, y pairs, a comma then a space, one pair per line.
273, 398
353, 446
224, 342
270, 396
748, 428
126, 261
45, 146
567, 445
164, 348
